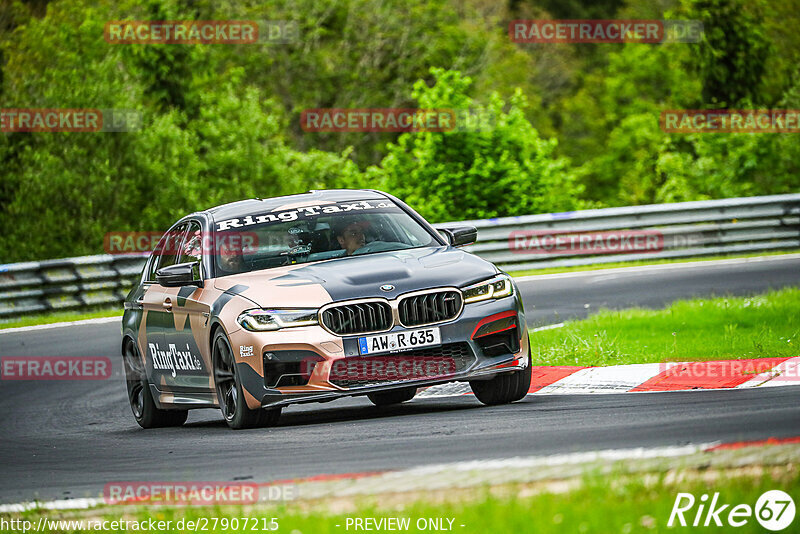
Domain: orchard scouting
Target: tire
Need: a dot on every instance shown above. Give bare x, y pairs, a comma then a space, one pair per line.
140, 398
504, 388
393, 396
229, 389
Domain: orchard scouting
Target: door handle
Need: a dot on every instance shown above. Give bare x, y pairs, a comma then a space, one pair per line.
167, 304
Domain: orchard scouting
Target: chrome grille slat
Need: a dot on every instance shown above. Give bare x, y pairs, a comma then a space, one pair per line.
384, 319
340, 316
360, 314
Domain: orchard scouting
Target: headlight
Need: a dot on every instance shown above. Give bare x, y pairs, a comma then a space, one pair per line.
266, 320
498, 287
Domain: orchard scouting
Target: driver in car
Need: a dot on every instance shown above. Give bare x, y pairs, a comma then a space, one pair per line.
230, 257
350, 235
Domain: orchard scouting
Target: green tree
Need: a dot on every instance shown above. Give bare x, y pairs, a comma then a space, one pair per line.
64, 191
611, 127
498, 168
732, 56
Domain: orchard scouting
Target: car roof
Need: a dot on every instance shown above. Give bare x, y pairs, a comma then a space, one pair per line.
260, 205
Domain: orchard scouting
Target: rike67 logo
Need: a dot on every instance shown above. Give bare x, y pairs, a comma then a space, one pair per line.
774, 510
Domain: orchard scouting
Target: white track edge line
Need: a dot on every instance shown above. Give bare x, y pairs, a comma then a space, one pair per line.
82, 322
657, 267
547, 327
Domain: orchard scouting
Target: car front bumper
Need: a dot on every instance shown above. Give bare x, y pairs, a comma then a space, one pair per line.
309, 364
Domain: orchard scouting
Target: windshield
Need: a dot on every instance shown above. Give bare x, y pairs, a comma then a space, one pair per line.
313, 233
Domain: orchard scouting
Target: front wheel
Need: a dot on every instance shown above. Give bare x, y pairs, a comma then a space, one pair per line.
229, 390
504, 388
140, 398
393, 396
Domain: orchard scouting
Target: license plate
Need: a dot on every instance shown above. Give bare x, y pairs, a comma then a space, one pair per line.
399, 341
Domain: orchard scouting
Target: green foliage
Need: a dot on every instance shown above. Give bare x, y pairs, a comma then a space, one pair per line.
368, 53
613, 120
612, 123
700, 166
489, 168
731, 58
575, 125
64, 191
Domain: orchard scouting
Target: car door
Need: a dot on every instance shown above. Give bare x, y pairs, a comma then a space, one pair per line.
186, 338
157, 305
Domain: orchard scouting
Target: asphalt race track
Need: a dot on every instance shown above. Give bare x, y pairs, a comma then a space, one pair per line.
66, 439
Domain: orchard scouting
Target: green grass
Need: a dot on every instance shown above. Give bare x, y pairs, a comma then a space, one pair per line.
762, 326
605, 504
599, 506
58, 317
598, 267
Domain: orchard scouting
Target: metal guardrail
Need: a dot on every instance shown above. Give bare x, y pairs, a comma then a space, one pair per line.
686, 229
70, 283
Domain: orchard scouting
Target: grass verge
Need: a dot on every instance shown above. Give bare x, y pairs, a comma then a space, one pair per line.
593, 503
599, 505
762, 326
601, 266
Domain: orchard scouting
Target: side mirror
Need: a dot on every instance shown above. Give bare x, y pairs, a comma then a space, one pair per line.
458, 236
182, 274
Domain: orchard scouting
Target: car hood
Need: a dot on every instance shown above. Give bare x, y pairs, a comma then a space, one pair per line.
316, 284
